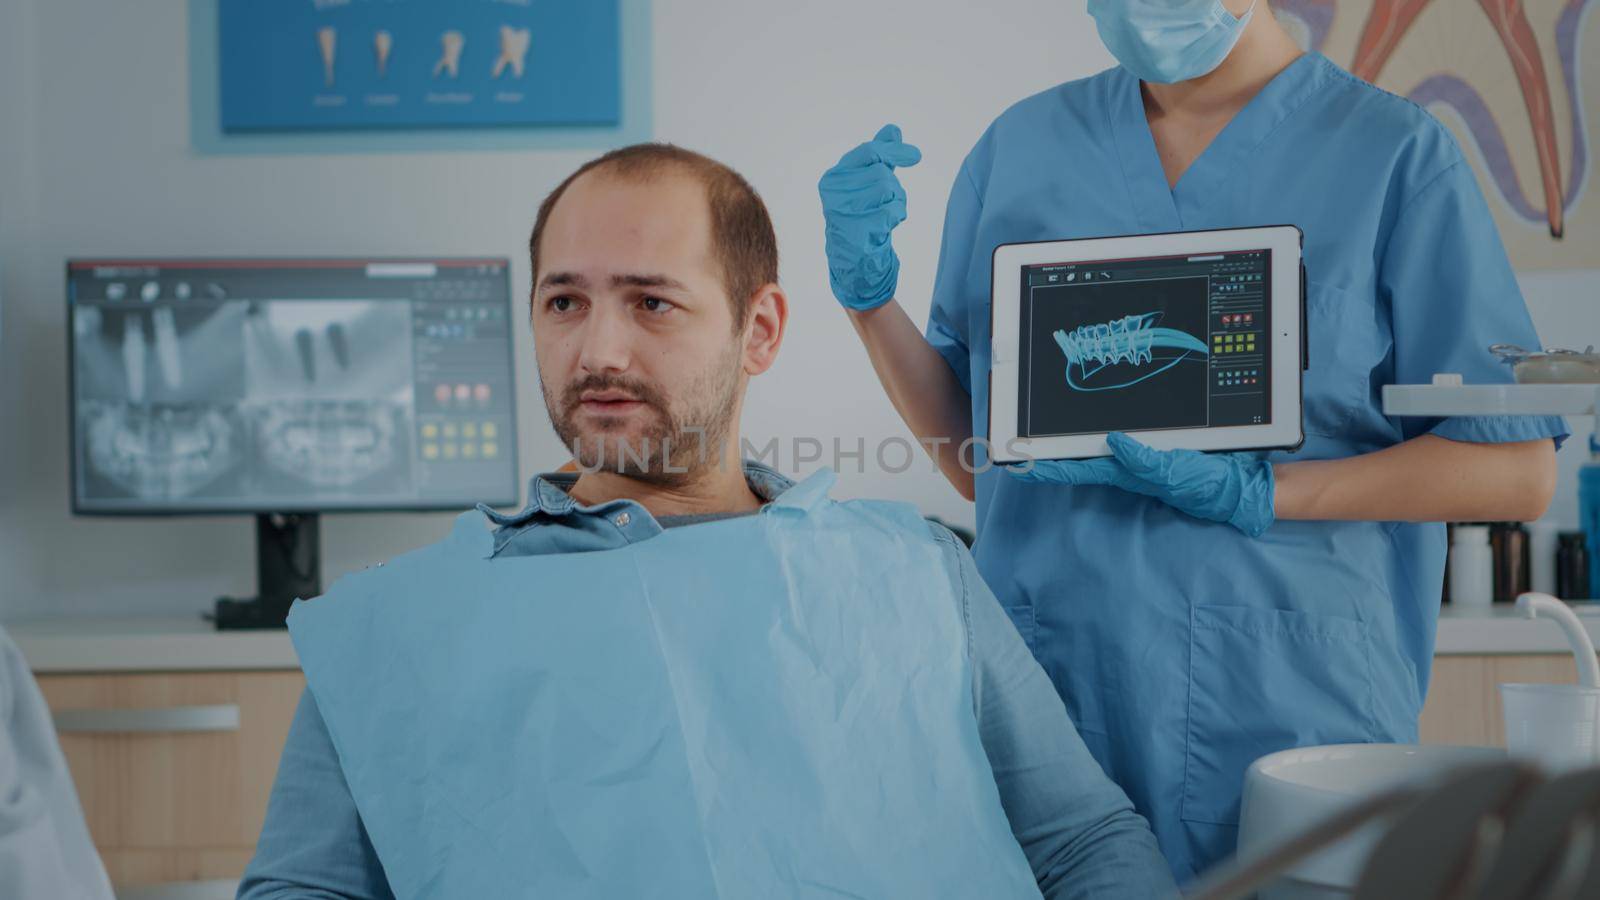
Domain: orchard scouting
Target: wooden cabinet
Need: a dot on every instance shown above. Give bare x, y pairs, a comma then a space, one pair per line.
173, 769
1463, 704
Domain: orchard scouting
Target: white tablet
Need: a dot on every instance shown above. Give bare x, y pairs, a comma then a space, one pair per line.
1193, 340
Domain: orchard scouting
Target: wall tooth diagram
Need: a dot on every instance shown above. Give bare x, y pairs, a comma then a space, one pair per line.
382, 46
1131, 340
451, 43
513, 51
328, 45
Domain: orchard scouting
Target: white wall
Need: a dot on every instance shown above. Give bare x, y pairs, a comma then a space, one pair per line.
95, 160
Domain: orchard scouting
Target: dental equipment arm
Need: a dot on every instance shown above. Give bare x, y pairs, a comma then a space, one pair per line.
1534, 605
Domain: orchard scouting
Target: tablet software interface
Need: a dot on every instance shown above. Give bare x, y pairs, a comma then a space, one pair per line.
1145, 344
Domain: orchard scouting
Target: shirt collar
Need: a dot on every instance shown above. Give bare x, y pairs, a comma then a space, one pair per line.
548, 497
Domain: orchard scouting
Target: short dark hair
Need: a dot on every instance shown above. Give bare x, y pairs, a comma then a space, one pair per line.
742, 238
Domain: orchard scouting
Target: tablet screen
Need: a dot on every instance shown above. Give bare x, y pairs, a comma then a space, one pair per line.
1145, 344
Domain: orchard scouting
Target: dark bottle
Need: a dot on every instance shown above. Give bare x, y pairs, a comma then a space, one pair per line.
1508, 545
1449, 540
1572, 566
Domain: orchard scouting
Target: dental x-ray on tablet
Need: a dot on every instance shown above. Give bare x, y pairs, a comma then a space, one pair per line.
1193, 340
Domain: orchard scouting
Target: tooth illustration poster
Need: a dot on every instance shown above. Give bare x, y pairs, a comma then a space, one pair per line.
1516, 81
320, 65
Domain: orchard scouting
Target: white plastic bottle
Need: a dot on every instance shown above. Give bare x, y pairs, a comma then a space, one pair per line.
1471, 567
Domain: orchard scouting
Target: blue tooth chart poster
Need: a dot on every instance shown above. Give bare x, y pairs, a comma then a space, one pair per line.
328, 65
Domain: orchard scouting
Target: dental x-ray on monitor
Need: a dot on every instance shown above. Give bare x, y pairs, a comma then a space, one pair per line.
287, 388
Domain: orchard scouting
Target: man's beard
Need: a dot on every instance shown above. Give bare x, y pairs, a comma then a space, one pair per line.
673, 449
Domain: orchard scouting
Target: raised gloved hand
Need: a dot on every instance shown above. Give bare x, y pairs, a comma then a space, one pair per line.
1236, 488
862, 201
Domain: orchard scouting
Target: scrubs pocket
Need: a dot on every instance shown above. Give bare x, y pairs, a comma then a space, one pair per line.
1344, 350
1264, 680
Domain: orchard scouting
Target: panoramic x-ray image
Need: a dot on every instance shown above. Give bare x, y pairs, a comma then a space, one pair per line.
158, 391
329, 388
1120, 356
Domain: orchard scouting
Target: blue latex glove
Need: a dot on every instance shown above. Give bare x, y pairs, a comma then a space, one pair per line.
1235, 488
862, 201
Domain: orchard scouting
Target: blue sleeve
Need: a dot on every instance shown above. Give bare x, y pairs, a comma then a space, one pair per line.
952, 299
1078, 830
313, 844
1451, 293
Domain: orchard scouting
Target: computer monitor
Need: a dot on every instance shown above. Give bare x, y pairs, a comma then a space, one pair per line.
285, 388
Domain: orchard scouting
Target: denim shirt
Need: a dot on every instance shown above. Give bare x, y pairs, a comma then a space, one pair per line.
1077, 829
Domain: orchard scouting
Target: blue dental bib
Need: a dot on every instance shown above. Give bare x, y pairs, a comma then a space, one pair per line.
778, 705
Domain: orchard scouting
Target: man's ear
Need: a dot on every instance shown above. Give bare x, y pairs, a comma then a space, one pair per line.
763, 331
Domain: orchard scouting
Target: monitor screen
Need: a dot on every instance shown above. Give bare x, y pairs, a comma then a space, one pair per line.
1145, 344
211, 386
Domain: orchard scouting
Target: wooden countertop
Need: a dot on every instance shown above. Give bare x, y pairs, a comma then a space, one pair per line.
147, 644
168, 644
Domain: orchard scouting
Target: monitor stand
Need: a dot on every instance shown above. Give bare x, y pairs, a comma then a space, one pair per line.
288, 567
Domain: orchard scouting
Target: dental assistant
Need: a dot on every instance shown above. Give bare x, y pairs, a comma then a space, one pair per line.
1197, 611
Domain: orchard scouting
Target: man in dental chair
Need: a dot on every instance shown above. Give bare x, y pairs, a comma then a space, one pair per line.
673, 675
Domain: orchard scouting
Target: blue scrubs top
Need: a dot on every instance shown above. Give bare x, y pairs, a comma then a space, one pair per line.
1185, 650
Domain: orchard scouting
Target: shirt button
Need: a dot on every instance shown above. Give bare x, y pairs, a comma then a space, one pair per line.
622, 519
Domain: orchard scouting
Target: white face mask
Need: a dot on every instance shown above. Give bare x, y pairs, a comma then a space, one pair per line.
1167, 41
